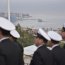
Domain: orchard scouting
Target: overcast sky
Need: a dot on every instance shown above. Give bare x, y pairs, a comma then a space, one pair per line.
36, 6
47, 9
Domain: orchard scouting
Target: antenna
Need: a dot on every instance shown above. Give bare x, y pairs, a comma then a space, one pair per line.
9, 10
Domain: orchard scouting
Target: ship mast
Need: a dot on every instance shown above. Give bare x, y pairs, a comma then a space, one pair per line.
9, 10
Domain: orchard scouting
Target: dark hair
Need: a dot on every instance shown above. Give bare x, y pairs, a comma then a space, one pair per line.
41, 37
63, 29
55, 42
5, 32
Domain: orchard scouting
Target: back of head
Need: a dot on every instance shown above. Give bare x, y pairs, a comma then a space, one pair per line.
63, 28
43, 35
6, 24
5, 27
4, 32
14, 33
55, 37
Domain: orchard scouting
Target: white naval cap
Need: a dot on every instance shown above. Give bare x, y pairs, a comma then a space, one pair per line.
43, 33
15, 34
64, 25
6, 24
54, 36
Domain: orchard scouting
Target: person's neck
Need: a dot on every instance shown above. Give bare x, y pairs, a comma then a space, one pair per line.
54, 43
1, 36
41, 45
